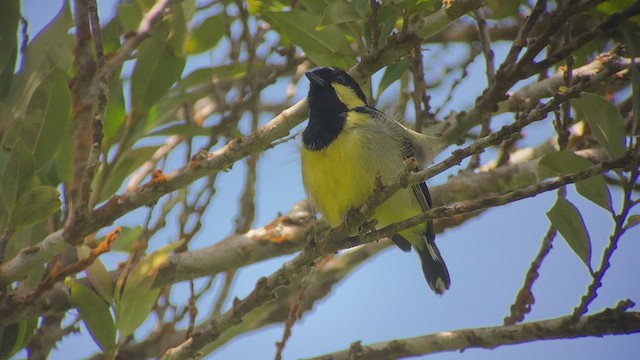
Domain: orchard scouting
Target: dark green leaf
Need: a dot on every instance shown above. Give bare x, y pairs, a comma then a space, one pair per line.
17, 173
96, 316
47, 118
388, 16
632, 221
21, 239
178, 30
100, 280
115, 112
35, 205
131, 161
611, 7
132, 312
205, 36
52, 43
338, 12
594, 188
501, 9
129, 15
12, 339
9, 19
315, 7
134, 295
566, 218
605, 121
127, 236
111, 36
189, 8
63, 159
392, 73
325, 47
157, 68
145, 4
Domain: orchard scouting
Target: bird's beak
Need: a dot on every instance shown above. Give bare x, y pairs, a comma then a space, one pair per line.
315, 79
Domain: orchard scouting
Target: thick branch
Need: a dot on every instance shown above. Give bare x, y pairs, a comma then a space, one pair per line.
607, 322
529, 95
335, 240
288, 234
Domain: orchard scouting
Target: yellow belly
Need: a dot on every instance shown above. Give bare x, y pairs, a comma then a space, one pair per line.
341, 177
334, 177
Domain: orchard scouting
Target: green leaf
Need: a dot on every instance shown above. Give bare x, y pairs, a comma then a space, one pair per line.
115, 112
388, 16
205, 36
96, 316
189, 8
9, 19
632, 221
52, 44
178, 30
63, 158
35, 205
425, 7
17, 173
325, 47
134, 295
111, 37
12, 339
605, 121
129, 15
131, 161
338, 12
392, 73
594, 188
22, 239
315, 7
47, 118
126, 238
501, 9
100, 280
157, 68
566, 218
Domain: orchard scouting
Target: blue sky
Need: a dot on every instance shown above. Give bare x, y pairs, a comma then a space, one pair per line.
387, 297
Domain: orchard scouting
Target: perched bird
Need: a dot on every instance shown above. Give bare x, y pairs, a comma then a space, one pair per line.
345, 144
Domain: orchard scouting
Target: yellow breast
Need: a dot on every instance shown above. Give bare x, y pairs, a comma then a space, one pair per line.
335, 177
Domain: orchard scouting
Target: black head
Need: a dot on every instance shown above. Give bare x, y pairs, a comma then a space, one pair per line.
332, 93
331, 80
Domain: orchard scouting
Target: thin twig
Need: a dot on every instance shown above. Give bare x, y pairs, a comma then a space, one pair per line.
373, 23
618, 231
223, 294
102, 83
294, 312
485, 45
525, 298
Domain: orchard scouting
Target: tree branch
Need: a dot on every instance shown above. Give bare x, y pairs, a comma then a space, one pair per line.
607, 322
287, 235
202, 164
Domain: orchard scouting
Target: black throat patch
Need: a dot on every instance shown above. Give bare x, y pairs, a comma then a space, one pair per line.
327, 116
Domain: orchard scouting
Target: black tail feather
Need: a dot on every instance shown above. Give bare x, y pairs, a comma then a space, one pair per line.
434, 268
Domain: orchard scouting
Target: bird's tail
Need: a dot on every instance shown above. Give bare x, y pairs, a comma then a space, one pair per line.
434, 268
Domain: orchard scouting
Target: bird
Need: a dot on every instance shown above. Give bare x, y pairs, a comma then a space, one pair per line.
346, 144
